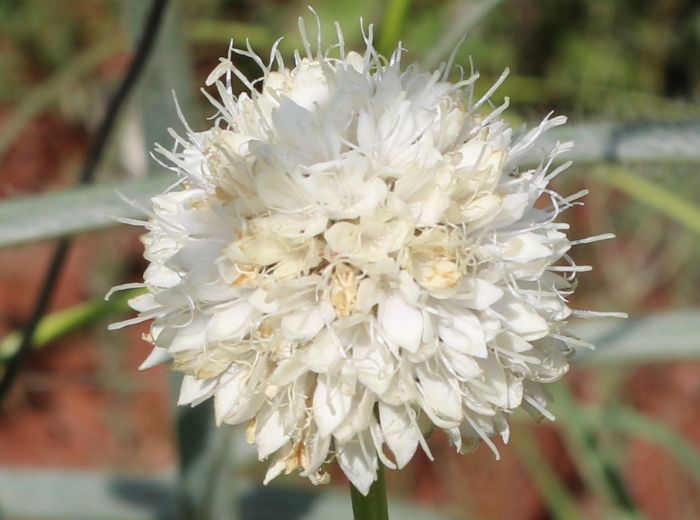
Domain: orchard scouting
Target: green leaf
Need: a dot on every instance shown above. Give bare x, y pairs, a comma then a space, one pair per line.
617, 142
85, 495
68, 212
659, 337
93, 495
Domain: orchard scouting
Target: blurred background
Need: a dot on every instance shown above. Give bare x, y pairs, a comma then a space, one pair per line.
83, 434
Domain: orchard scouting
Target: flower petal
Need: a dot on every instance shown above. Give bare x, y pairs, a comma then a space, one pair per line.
306, 322
330, 404
230, 323
401, 323
441, 400
399, 431
157, 356
324, 352
478, 294
464, 333
360, 466
343, 237
193, 391
270, 433
526, 248
521, 318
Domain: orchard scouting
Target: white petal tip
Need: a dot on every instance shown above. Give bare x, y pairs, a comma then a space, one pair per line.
157, 356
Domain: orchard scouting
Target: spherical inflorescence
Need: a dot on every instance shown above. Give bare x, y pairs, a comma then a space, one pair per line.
353, 256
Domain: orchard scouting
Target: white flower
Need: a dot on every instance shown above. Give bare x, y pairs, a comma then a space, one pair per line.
354, 256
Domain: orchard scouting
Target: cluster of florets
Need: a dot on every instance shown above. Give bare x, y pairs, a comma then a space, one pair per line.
354, 256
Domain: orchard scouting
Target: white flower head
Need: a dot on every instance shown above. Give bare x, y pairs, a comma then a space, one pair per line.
354, 256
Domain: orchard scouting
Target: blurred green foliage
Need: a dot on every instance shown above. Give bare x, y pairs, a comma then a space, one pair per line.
39, 37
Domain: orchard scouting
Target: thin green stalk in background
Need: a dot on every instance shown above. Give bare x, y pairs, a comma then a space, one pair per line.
634, 424
222, 31
58, 324
560, 503
468, 17
373, 506
665, 202
598, 472
392, 27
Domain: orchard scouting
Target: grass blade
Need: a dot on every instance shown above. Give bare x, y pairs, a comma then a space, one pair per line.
634, 424
665, 202
58, 324
560, 502
598, 471
392, 27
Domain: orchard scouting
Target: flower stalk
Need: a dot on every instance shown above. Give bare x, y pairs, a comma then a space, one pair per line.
372, 506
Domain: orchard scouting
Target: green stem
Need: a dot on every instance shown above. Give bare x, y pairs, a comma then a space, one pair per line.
373, 506
58, 324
